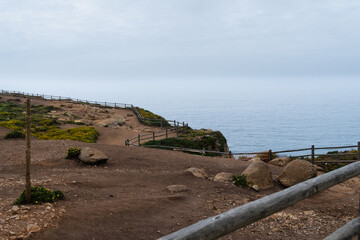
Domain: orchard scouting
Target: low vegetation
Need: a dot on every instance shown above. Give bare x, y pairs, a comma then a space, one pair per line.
196, 139
240, 181
40, 195
43, 126
151, 119
73, 153
336, 156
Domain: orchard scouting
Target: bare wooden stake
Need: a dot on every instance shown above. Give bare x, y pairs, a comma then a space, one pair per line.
27, 174
312, 154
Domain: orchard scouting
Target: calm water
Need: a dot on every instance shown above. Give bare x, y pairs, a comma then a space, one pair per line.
253, 115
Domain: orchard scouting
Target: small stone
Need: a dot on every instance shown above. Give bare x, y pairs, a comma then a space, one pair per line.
256, 188
223, 177
15, 209
48, 208
177, 188
12, 233
33, 228
197, 172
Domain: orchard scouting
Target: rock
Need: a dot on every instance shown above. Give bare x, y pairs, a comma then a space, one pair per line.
33, 227
280, 162
15, 209
318, 168
258, 173
177, 188
297, 171
255, 159
197, 172
92, 155
223, 177
255, 187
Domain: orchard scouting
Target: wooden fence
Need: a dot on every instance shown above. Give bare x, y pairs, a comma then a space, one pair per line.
227, 222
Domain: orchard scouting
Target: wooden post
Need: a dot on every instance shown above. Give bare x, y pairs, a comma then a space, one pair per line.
139, 139
174, 123
166, 131
153, 136
177, 132
27, 165
105, 104
312, 154
115, 105
229, 154
270, 156
183, 124
161, 123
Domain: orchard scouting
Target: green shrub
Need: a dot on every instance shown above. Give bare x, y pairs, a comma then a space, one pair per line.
240, 180
15, 134
40, 195
73, 153
58, 195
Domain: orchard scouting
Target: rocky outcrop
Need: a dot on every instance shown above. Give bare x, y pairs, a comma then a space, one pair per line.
197, 172
223, 177
92, 156
280, 162
297, 171
258, 173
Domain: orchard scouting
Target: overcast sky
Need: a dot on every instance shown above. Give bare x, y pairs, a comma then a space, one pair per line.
118, 40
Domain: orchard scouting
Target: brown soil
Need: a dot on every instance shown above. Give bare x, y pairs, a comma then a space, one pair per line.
127, 197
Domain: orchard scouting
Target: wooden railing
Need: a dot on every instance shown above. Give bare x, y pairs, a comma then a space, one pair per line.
227, 222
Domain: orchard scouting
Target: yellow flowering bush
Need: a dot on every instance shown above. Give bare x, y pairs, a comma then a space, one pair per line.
40, 195
73, 153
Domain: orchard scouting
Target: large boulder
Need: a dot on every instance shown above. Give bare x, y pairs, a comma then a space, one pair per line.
258, 173
197, 172
223, 177
280, 162
297, 171
255, 159
92, 156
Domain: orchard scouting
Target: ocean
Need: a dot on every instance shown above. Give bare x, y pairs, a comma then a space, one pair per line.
253, 115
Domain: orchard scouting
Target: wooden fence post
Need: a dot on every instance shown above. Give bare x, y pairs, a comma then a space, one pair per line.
312, 154
27, 175
177, 132
270, 156
139, 139
174, 123
229, 154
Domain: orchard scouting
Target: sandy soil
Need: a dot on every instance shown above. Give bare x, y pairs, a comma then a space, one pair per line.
127, 197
